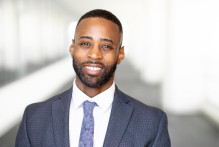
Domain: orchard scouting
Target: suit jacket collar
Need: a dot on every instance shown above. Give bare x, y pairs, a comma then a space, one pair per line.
60, 115
120, 116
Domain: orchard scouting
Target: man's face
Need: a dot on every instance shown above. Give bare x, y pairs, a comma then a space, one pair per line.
96, 51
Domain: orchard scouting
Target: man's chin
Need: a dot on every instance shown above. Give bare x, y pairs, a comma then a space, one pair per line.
92, 85
92, 82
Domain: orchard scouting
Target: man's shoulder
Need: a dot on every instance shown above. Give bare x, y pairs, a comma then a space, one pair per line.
141, 108
46, 104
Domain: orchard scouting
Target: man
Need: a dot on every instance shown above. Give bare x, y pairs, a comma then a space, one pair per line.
94, 112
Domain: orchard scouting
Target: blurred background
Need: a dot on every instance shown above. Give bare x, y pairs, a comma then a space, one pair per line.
172, 57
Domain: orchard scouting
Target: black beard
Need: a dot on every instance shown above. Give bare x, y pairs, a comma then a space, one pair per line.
94, 81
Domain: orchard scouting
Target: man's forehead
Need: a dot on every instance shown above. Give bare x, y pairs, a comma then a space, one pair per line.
93, 25
96, 21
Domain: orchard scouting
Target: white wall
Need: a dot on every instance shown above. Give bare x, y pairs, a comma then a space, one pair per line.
35, 87
192, 55
8, 34
32, 32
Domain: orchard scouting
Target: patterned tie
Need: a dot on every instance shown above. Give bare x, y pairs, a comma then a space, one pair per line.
87, 128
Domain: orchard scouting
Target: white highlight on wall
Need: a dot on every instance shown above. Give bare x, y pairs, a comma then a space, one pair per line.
191, 76
35, 87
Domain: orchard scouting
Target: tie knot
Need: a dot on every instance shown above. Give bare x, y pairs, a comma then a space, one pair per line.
88, 107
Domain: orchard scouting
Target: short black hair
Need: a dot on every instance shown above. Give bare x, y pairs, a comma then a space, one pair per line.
103, 14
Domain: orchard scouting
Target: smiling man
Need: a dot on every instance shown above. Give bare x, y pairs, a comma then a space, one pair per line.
94, 112
96, 51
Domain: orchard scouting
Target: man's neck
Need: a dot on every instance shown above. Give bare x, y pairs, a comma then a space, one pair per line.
92, 92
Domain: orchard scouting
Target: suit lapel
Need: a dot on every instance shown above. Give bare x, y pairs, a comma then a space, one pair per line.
60, 116
120, 116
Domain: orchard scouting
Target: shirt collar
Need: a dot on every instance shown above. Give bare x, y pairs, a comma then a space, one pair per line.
103, 100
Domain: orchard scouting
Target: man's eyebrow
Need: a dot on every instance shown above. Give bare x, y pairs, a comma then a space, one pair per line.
103, 39
108, 40
85, 37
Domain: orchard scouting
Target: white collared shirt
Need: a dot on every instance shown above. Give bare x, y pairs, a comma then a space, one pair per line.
101, 114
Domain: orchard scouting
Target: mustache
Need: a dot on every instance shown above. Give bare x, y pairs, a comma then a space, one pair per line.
93, 62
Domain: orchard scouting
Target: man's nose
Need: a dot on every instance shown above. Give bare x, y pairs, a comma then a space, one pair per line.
95, 52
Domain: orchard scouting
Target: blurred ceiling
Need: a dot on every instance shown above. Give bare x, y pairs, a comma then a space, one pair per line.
120, 8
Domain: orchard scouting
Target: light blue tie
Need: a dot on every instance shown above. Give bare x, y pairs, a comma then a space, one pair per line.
87, 128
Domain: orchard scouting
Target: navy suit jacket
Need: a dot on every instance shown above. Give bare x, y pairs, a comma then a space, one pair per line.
131, 124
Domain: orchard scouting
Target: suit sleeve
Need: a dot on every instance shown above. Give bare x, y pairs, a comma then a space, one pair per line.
162, 138
22, 139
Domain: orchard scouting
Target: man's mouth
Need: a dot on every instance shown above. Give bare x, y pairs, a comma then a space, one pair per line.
93, 68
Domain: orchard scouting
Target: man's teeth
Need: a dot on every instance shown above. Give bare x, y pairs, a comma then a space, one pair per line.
93, 68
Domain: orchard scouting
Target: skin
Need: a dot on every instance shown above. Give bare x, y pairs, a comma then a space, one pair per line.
98, 40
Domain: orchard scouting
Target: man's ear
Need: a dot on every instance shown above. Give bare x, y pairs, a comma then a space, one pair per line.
71, 48
121, 55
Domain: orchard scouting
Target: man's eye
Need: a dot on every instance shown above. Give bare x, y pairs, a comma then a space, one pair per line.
107, 47
84, 44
